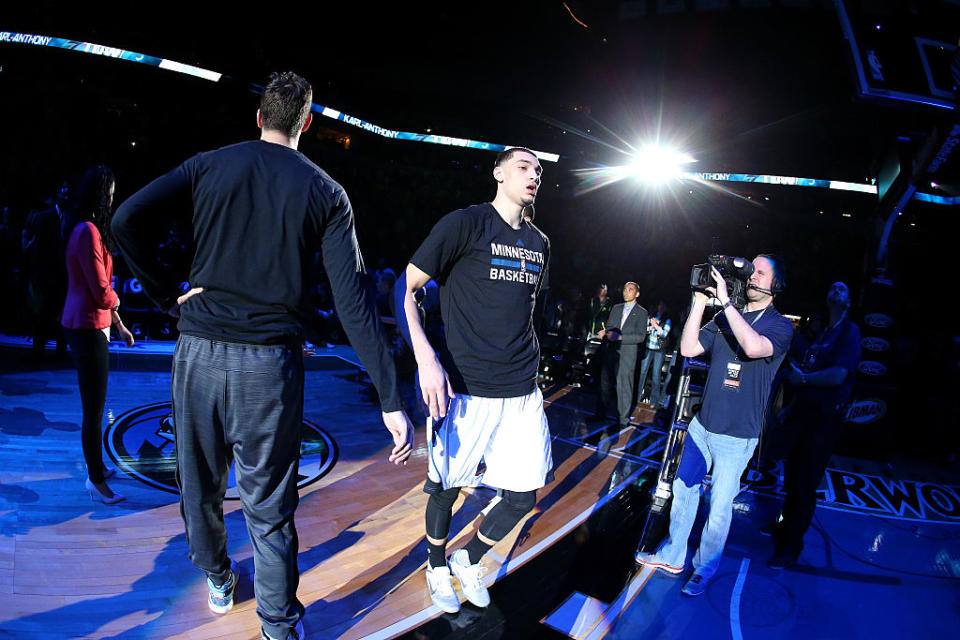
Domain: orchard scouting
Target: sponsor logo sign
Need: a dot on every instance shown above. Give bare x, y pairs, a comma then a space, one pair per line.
878, 320
877, 345
865, 411
872, 368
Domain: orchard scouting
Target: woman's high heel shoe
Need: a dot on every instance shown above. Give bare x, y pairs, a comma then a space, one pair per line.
96, 496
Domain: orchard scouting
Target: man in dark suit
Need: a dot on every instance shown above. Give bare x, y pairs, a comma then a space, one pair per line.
626, 331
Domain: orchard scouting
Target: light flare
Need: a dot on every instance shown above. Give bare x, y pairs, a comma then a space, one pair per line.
652, 165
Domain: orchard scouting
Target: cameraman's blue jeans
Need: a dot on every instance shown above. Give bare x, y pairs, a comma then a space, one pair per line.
242, 403
727, 456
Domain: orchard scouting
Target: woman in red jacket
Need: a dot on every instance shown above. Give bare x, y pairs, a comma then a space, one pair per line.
89, 310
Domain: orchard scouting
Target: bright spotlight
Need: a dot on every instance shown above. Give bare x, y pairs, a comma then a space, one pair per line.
656, 164
652, 165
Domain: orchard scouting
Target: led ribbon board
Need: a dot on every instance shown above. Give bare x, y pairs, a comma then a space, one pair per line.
213, 76
110, 52
812, 182
785, 180
422, 137
935, 199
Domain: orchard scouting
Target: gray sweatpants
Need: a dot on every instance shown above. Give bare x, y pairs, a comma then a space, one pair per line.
243, 403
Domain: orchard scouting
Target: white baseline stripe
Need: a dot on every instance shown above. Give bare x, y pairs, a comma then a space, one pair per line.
605, 623
735, 600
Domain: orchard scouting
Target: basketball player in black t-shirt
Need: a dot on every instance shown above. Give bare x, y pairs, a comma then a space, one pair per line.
490, 261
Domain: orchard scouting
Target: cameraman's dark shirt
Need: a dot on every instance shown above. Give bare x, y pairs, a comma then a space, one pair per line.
739, 411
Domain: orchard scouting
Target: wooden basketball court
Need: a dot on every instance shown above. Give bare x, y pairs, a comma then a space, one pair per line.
71, 568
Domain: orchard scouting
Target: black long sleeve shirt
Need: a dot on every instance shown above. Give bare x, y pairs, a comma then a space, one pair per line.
260, 211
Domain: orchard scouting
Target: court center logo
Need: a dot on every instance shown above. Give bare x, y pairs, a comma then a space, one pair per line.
140, 442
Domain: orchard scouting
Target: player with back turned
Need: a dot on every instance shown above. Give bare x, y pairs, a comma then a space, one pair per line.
260, 211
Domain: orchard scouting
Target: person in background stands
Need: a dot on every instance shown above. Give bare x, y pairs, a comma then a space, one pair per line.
91, 307
653, 358
822, 382
626, 330
42, 245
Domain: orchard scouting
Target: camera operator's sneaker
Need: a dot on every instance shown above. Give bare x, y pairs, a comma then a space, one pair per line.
221, 598
440, 586
469, 576
782, 559
295, 634
651, 560
695, 586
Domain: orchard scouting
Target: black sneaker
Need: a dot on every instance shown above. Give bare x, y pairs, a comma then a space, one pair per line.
695, 586
782, 560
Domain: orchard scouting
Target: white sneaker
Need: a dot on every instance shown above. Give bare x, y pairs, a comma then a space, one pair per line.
440, 586
651, 560
469, 576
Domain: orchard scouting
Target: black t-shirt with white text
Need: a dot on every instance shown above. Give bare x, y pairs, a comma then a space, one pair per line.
489, 275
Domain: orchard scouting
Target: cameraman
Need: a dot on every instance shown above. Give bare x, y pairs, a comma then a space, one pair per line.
745, 351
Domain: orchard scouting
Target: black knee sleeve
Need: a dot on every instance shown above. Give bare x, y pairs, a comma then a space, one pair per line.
505, 515
439, 512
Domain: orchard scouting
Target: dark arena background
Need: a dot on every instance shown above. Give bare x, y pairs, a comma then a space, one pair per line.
821, 131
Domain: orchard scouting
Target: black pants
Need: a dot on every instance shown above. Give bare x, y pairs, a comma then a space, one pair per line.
626, 374
813, 430
46, 301
242, 402
610, 361
90, 353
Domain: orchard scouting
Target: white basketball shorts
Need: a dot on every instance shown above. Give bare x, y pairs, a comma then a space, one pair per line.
510, 436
